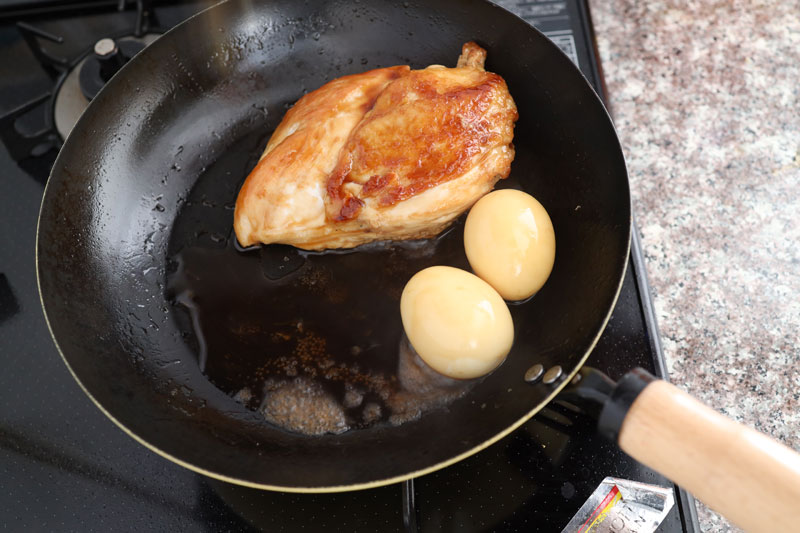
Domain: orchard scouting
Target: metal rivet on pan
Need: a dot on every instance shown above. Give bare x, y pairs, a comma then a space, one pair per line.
534, 373
552, 375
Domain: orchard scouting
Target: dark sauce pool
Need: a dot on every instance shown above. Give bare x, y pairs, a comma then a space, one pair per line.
313, 341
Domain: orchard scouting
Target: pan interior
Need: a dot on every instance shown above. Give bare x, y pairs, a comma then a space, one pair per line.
312, 340
143, 191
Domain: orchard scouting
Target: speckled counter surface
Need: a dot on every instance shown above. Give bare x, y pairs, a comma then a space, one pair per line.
706, 99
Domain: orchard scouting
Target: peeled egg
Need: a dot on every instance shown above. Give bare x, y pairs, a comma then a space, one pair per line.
510, 243
456, 322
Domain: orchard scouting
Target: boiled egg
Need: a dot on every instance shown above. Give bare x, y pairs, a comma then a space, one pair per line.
510, 243
456, 322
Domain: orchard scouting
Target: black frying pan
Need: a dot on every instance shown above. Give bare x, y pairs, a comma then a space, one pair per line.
137, 212
156, 162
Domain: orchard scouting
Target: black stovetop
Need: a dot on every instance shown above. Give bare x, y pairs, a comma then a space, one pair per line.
64, 466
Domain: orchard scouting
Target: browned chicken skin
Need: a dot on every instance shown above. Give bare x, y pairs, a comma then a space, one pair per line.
391, 153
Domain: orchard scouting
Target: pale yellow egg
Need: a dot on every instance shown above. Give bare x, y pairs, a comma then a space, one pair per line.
456, 322
510, 243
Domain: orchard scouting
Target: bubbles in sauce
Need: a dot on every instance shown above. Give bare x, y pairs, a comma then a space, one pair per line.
510, 243
302, 405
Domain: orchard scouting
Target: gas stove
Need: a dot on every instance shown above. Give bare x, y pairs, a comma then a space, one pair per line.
65, 466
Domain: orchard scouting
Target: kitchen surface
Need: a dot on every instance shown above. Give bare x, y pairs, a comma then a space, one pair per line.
706, 100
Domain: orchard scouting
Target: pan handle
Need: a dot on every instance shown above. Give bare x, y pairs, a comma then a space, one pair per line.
748, 477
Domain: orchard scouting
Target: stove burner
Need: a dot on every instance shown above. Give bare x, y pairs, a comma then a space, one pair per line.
87, 77
70, 96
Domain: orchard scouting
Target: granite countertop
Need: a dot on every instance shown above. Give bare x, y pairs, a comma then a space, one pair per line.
706, 100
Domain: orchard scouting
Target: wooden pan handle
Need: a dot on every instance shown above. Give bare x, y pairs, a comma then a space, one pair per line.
748, 477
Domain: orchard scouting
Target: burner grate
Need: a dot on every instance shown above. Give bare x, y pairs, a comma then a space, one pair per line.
55, 123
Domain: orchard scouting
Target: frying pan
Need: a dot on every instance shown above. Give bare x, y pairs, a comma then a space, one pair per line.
141, 195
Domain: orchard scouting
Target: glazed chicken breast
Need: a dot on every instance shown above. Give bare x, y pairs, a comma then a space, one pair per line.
387, 154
